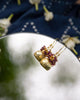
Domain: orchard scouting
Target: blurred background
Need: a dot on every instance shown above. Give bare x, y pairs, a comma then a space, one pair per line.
23, 78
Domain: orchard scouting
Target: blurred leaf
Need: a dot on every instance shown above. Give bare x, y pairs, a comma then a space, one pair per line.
7, 68
9, 88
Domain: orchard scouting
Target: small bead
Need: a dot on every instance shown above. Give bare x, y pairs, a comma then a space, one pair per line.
72, 23
78, 32
23, 29
65, 32
70, 20
75, 28
43, 48
35, 30
34, 27
32, 23
69, 27
27, 23
25, 26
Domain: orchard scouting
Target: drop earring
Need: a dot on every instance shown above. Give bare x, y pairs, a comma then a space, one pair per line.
40, 54
46, 58
51, 59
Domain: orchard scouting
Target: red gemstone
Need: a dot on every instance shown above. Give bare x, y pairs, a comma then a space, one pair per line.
43, 48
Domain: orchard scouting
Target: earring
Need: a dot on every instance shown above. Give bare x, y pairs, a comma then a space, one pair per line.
51, 59
40, 54
46, 58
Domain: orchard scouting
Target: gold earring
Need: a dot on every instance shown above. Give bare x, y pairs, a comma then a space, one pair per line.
40, 54
50, 60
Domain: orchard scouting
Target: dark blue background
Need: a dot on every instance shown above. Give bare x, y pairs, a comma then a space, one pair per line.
26, 19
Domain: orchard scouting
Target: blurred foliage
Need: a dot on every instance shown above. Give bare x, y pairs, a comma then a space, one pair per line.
7, 68
10, 89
